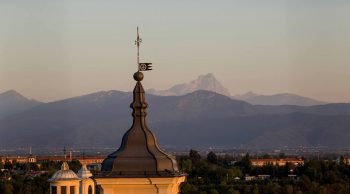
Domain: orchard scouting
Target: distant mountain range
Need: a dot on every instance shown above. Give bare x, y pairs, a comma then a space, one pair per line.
12, 102
203, 82
210, 83
198, 119
278, 99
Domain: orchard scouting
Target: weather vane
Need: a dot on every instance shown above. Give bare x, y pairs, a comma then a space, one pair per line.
141, 66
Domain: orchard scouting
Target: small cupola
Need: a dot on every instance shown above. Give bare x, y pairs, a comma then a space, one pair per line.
64, 181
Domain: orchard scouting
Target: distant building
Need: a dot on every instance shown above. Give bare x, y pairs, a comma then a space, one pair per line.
18, 159
12, 159
30, 158
88, 160
250, 178
277, 162
347, 160
237, 178
264, 176
292, 176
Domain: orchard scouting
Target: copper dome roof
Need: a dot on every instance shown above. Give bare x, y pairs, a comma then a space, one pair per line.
139, 154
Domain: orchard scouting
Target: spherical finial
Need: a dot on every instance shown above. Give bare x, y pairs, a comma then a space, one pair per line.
138, 76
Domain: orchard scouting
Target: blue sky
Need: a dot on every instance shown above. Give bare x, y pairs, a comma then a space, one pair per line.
51, 50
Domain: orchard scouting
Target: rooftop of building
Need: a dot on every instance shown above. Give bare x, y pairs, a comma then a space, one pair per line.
64, 174
139, 154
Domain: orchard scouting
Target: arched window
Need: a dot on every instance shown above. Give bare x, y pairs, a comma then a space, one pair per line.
90, 190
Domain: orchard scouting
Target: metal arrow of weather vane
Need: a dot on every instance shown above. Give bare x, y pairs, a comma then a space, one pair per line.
141, 66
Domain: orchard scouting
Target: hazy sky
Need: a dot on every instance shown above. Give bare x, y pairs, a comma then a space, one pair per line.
51, 50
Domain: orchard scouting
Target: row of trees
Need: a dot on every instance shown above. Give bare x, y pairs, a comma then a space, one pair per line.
15, 179
210, 175
213, 174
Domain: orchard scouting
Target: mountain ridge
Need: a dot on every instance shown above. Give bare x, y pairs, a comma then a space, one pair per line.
210, 83
200, 118
278, 99
12, 102
203, 82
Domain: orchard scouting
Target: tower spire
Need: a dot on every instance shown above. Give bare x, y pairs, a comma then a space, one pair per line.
139, 154
138, 165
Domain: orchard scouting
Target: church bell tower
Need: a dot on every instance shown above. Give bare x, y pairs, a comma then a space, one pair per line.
139, 166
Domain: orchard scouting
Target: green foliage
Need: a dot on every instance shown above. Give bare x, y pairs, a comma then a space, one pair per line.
189, 188
216, 174
272, 188
8, 165
213, 191
22, 183
210, 175
185, 164
245, 164
6, 187
288, 189
255, 190
74, 165
212, 158
194, 156
232, 191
